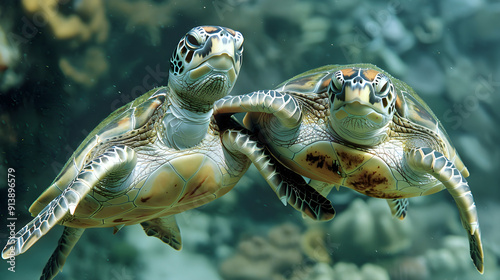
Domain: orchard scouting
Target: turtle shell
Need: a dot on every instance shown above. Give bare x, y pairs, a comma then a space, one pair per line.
127, 118
317, 80
408, 104
411, 107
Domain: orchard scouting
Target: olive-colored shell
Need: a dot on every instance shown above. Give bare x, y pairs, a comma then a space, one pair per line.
115, 125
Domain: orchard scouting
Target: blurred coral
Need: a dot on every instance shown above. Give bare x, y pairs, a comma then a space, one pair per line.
265, 258
82, 32
11, 76
368, 228
87, 22
144, 15
314, 245
347, 271
85, 70
445, 262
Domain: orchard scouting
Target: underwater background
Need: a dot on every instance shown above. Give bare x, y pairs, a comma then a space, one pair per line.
66, 65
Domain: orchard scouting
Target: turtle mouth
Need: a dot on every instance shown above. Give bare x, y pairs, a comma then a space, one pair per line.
217, 65
358, 123
356, 110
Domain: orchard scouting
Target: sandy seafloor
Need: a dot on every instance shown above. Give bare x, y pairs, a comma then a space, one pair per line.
65, 67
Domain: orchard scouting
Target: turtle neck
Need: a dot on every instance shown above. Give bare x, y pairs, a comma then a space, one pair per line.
184, 128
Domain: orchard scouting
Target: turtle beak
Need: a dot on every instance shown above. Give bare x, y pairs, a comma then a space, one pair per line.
357, 99
356, 102
224, 64
357, 94
358, 109
222, 57
223, 46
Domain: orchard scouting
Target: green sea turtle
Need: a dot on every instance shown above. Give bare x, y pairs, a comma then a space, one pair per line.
160, 155
359, 127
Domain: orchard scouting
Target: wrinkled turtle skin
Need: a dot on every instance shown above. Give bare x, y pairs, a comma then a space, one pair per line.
160, 155
357, 126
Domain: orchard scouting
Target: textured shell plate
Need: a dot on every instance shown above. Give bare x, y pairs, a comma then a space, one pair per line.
375, 171
165, 181
181, 183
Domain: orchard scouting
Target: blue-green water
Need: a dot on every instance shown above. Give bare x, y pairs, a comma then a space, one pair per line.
66, 67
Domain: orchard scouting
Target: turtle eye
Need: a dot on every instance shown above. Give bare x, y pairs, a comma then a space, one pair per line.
193, 41
238, 38
382, 85
337, 82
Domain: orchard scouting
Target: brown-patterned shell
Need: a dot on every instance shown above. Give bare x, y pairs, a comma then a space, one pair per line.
121, 122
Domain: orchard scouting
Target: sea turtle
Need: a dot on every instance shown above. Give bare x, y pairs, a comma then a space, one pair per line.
359, 127
160, 155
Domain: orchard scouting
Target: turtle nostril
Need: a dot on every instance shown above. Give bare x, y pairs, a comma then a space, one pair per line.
357, 80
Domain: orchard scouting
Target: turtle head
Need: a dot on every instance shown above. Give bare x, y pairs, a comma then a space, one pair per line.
361, 105
205, 65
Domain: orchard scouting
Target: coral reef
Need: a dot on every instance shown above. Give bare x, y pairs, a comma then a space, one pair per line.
347, 271
85, 70
82, 33
368, 228
265, 258
278, 257
88, 22
447, 261
11, 72
313, 243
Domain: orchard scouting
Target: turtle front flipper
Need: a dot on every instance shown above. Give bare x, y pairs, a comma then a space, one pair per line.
166, 229
283, 106
106, 172
399, 207
66, 243
289, 186
436, 164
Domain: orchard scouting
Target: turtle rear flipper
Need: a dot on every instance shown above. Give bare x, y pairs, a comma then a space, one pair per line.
437, 165
399, 207
66, 243
302, 196
109, 169
289, 186
166, 229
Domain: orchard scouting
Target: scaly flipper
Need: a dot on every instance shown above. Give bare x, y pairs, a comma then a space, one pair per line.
294, 189
166, 229
436, 164
283, 106
110, 169
66, 243
323, 188
288, 185
399, 207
